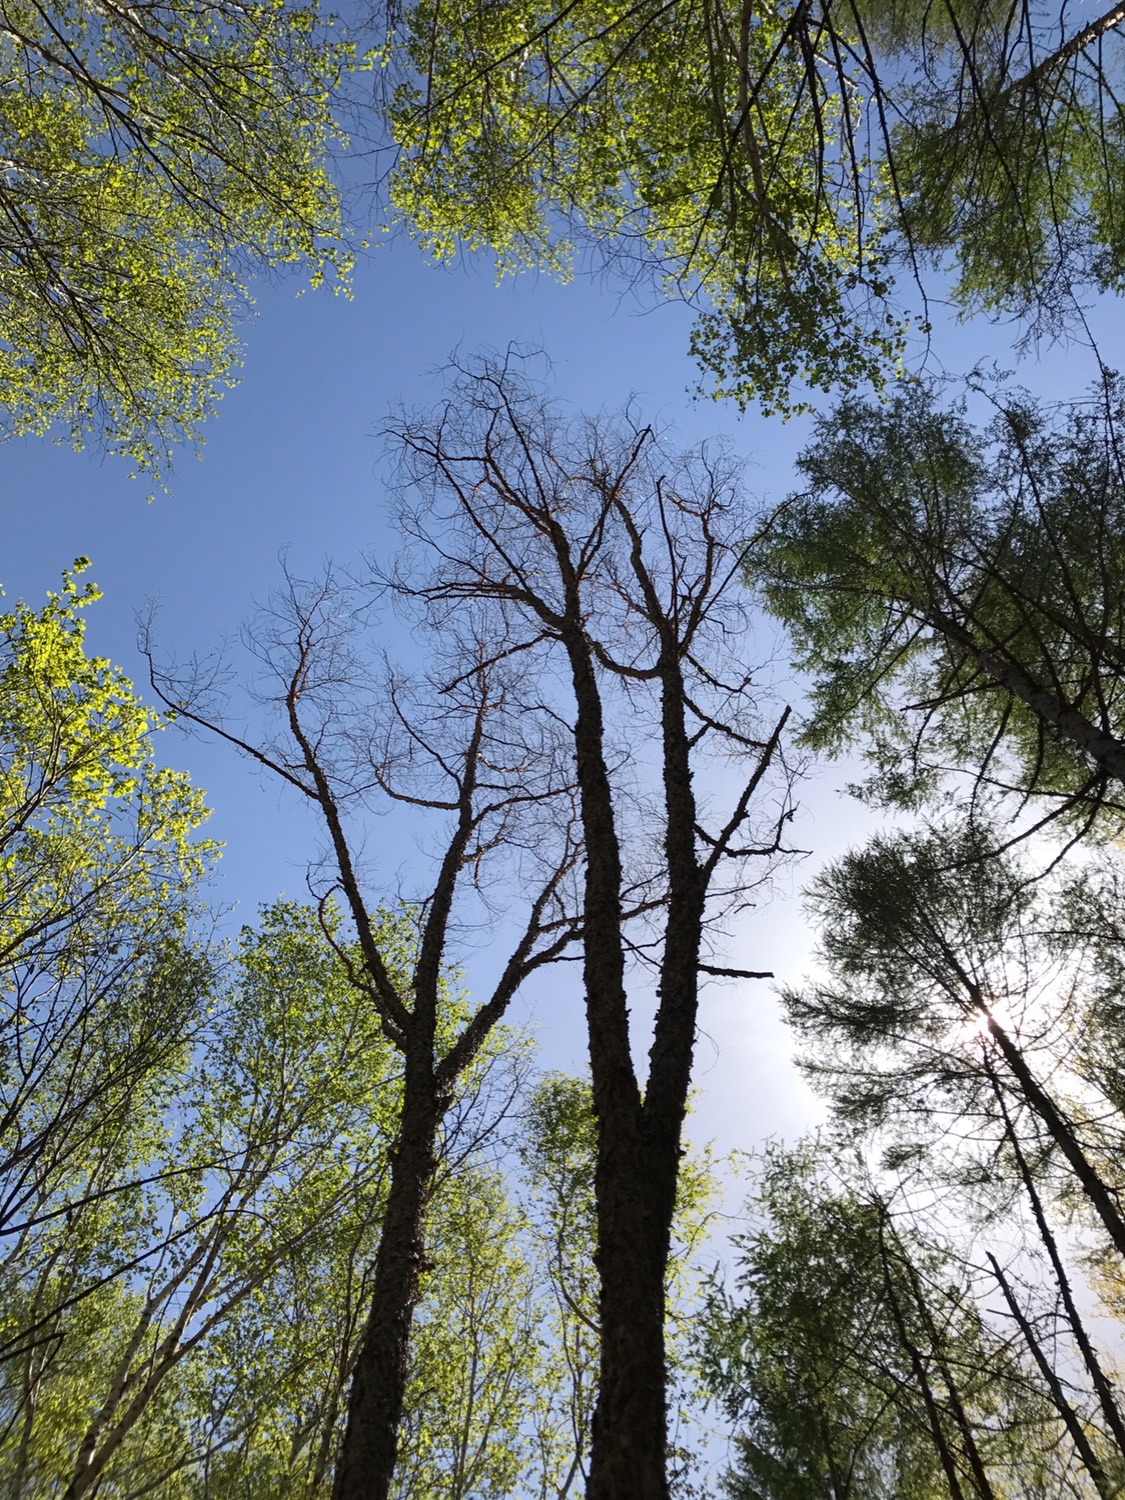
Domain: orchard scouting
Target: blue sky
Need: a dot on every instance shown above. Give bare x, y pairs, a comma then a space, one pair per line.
293, 464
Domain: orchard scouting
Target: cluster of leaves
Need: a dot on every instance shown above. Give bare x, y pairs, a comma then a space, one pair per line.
180, 1308
967, 1034
956, 594
211, 1213
151, 155
855, 1358
92, 832
771, 164
1007, 152
688, 137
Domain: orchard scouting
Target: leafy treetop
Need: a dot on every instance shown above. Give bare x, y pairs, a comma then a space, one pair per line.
152, 154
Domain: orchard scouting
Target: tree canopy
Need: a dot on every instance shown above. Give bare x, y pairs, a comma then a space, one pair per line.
857, 1361
153, 155
956, 593
92, 830
772, 164
287, 1216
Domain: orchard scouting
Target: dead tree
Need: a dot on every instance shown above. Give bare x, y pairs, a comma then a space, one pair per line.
619, 562
484, 785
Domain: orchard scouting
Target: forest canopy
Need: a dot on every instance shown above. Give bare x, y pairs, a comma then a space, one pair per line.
155, 155
776, 166
293, 1206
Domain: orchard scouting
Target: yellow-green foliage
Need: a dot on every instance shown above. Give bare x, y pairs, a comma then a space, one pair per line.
90, 827
151, 155
669, 134
197, 1246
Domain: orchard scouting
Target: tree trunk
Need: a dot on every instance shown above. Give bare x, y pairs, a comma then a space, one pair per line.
952, 1393
638, 1144
1060, 1131
629, 1442
1071, 1419
918, 1364
366, 1464
629, 1431
1106, 1398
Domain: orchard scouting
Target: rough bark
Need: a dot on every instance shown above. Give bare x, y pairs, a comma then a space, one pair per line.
629, 1436
631, 1419
366, 1463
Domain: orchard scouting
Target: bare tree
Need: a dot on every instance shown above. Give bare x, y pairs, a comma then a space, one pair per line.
453, 748
619, 562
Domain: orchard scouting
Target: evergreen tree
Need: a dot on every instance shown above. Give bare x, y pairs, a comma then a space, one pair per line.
957, 595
